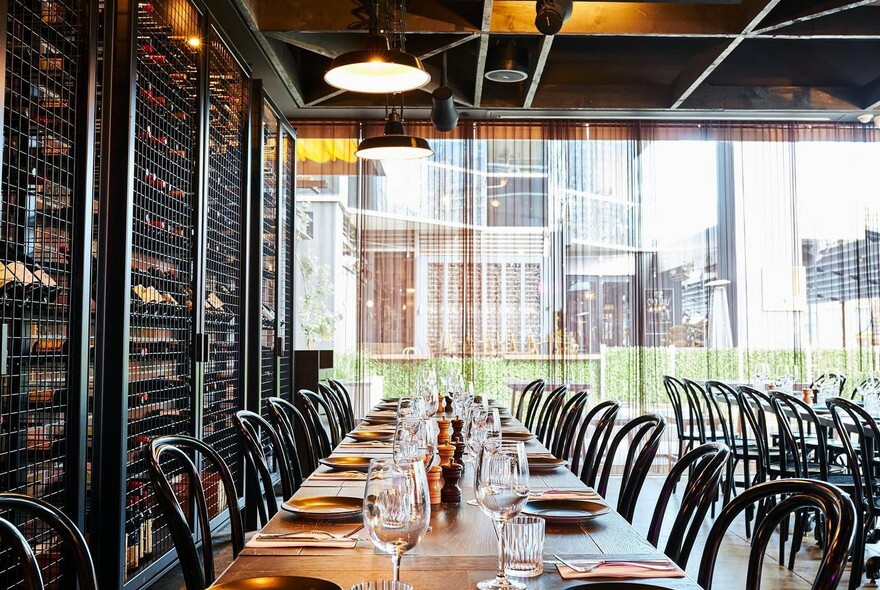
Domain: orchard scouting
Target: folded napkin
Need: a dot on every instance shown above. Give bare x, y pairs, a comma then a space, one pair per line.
566, 495
257, 543
612, 570
365, 445
339, 476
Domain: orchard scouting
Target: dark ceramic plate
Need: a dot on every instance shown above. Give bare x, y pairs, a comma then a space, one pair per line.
347, 463
517, 435
565, 511
381, 419
368, 435
278, 583
325, 507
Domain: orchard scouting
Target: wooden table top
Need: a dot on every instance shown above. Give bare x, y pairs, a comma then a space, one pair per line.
458, 551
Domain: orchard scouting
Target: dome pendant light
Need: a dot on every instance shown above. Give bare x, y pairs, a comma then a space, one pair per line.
377, 68
394, 144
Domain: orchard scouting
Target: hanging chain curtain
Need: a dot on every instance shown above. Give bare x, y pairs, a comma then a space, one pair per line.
598, 255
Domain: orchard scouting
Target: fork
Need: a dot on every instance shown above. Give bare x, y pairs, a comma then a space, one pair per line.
305, 535
658, 565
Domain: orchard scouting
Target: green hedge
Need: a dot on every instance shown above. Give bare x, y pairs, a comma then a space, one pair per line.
631, 374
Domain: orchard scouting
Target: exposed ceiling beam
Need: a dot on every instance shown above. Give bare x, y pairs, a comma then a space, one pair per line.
704, 63
488, 7
317, 16
826, 8
538, 69
598, 97
323, 97
283, 66
774, 98
871, 96
320, 44
446, 47
625, 18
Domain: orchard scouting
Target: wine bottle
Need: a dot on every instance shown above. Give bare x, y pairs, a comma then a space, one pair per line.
47, 397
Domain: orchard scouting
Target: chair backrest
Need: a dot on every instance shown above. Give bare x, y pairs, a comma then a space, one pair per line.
335, 433
724, 399
534, 405
675, 391
699, 416
291, 426
331, 397
251, 428
797, 494
186, 453
321, 442
527, 394
837, 379
755, 405
804, 456
74, 544
563, 436
643, 435
550, 412
345, 397
601, 419
851, 420
706, 465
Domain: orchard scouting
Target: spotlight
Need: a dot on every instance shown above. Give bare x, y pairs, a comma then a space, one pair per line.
551, 15
507, 63
865, 118
443, 113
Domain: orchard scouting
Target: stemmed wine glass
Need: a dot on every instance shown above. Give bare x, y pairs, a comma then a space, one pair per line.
397, 506
502, 486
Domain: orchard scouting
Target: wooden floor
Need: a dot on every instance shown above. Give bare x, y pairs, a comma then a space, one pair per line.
730, 569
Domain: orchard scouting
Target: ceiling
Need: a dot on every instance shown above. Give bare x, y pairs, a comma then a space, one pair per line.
727, 59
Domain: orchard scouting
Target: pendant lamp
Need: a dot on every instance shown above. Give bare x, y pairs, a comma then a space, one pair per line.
394, 144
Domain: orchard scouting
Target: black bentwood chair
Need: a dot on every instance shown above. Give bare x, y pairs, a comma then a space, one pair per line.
643, 437
294, 430
562, 437
344, 395
251, 427
549, 413
688, 418
76, 550
336, 433
525, 400
600, 419
183, 452
339, 409
798, 494
706, 466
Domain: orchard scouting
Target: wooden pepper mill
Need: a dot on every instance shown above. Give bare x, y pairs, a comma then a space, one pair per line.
443, 436
457, 426
435, 483
446, 452
451, 492
459, 451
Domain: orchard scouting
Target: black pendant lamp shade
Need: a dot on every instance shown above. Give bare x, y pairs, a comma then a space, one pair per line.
394, 144
443, 113
377, 69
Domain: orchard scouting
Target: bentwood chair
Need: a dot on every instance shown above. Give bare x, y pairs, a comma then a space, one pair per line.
688, 419
839, 382
549, 413
321, 441
839, 524
332, 397
344, 395
525, 399
292, 427
334, 430
534, 406
858, 432
706, 464
251, 429
599, 423
169, 456
76, 551
563, 436
643, 436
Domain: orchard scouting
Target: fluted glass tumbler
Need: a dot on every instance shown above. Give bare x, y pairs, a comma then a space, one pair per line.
524, 547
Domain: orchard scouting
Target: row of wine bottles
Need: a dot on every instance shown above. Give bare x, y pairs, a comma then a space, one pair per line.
19, 283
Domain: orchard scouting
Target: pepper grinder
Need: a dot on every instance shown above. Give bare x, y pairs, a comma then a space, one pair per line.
443, 436
446, 452
459, 452
435, 483
457, 425
451, 492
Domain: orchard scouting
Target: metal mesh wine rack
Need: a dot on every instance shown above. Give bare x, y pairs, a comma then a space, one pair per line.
45, 45
269, 285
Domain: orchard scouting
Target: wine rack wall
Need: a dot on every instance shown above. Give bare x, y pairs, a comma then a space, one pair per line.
125, 311
45, 45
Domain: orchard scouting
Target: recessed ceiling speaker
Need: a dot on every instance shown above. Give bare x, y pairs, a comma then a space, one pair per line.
551, 15
507, 63
444, 117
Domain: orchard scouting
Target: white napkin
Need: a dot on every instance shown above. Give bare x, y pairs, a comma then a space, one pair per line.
340, 476
567, 495
257, 543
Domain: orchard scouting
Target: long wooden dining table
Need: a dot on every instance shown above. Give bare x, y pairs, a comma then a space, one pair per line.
460, 548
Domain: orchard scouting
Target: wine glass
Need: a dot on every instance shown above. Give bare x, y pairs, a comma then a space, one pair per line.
428, 401
397, 506
502, 486
408, 438
762, 373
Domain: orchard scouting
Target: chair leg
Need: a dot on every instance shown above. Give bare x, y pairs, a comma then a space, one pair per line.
858, 553
797, 536
783, 537
750, 511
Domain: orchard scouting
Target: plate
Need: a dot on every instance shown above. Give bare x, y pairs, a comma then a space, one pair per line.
277, 583
618, 586
517, 436
347, 463
326, 507
369, 435
380, 419
542, 464
565, 511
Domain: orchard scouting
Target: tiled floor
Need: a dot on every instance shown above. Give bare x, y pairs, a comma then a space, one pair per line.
729, 572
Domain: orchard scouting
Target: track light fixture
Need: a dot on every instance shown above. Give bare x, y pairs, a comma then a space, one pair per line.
444, 117
551, 15
394, 143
